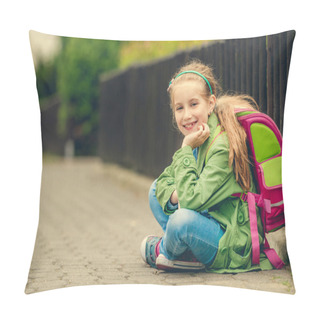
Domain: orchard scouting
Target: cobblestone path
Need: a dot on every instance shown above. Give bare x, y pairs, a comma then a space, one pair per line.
93, 219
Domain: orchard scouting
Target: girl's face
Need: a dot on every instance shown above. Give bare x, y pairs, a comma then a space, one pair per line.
189, 107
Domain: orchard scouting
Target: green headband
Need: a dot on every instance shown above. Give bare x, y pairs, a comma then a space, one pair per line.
195, 72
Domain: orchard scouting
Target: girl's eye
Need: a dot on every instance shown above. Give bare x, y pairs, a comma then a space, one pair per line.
194, 104
179, 108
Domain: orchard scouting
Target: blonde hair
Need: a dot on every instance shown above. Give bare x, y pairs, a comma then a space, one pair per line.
206, 71
238, 151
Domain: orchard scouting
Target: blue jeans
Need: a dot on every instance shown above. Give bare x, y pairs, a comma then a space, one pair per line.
186, 229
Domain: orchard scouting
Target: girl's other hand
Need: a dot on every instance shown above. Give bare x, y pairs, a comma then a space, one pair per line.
174, 197
197, 138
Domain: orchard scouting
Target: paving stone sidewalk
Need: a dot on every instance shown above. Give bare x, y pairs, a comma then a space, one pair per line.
93, 219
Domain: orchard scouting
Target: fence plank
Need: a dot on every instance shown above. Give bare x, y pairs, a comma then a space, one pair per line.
255, 68
269, 76
243, 67
262, 101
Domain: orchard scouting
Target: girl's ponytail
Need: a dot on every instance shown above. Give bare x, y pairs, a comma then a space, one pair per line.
238, 154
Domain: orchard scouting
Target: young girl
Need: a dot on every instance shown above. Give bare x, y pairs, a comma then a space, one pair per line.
204, 225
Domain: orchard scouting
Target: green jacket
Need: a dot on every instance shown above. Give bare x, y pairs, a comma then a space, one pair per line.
209, 185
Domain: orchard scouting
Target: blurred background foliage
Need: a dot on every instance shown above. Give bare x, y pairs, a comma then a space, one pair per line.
79, 65
73, 74
133, 52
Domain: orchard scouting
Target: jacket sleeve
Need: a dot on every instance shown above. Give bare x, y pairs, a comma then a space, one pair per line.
164, 188
200, 192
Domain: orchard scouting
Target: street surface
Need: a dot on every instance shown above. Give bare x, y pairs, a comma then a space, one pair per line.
93, 219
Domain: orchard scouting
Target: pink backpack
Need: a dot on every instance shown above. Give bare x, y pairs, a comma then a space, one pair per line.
265, 149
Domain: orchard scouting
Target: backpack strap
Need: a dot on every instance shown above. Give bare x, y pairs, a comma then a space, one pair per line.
254, 199
273, 256
254, 229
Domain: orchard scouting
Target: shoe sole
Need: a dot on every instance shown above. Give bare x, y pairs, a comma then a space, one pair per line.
143, 249
163, 263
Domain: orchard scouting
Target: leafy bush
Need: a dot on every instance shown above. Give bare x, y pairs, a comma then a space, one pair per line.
73, 76
79, 66
143, 51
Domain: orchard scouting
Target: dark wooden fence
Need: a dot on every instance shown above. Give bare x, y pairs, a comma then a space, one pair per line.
136, 128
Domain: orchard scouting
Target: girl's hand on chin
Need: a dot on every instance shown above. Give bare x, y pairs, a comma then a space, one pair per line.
197, 138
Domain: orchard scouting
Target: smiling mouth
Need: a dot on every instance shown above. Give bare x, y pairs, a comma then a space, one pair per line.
190, 126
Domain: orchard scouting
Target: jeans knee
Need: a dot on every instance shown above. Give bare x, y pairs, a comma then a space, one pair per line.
183, 219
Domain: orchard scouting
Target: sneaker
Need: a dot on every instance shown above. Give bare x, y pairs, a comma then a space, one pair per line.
186, 262
148, 250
